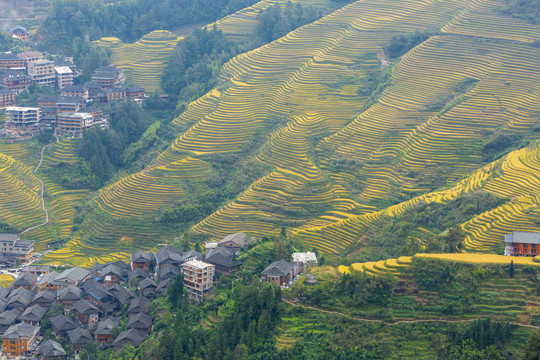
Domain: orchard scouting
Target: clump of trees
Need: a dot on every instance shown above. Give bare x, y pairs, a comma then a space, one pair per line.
246, 327
275, 21
72, 20
400, 44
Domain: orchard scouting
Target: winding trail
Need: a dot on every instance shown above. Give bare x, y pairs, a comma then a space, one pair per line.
42, 187
399, 321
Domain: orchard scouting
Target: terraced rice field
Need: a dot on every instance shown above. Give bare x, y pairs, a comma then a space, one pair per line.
144, 61
6, 280
242, 24
59, 201
393, 266
277, 99
20, 203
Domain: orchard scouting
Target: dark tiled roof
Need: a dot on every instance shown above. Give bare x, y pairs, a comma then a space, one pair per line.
142, 256
138, 274
139, 304
26, 279
63, 323
168, 253
90, 109
240, 239
74, 274
79, 336
47, 296
105, 326
34, 313
18, 331
73, 88
190, 255
112, 270
135, 89
218, 258
140, 321
125, 296
122, 265
8, 317
20, 298
5, 91
131, 337
169, 270
51, 348
69, 293
85, 307
100, 294
5, 57
147, 283
278, 268
163, 285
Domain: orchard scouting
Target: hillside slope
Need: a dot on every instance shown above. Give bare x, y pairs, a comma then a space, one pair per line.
143, 61
329, 155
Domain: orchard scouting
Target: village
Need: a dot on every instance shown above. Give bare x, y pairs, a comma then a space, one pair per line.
84, 305
70, 112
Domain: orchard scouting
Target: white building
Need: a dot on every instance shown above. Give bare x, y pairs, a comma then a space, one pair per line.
198, 278
302, 261
23, 117
64, 76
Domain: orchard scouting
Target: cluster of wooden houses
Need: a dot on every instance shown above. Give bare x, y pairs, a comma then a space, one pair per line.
92, 300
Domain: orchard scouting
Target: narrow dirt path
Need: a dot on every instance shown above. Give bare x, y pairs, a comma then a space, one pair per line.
399, 321
42, 187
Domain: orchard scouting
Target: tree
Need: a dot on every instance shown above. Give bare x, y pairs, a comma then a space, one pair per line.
511, 269
532, 351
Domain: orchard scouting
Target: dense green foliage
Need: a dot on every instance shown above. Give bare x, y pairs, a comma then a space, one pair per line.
275, 21
500, 144
524, 9
7, 43
400, 44
89, 57
195, 63
393, 236
128, 20
103, 150
246, 327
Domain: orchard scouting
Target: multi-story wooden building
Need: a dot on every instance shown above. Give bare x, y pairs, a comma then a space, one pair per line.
141, 260
108, 76
279, 272
7, 97
11, 61
19, 32
198, 279
73, 124
19, 339
522, 243
15, 80
74, 91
